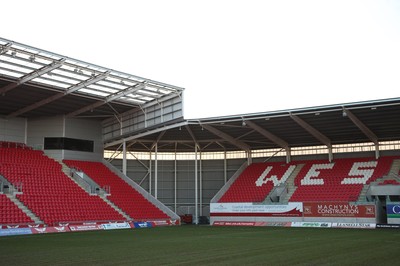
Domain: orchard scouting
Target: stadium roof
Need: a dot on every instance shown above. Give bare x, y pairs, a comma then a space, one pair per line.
371, 121
35, 82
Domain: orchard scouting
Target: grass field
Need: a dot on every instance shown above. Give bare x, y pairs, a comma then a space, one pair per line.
205, 245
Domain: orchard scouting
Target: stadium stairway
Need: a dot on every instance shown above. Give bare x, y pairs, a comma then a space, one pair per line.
283, 192
127, 195
90, 187
24, 209
291, 188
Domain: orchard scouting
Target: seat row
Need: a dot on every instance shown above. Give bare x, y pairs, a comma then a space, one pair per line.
317, 180
122, 194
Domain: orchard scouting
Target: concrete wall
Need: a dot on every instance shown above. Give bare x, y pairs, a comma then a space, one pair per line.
86, 130
13, 129
212, 176
40, 128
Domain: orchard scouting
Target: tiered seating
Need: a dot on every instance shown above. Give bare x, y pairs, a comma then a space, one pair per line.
48, 192
122, 194
389, 182
340, 180
318, 180
10, 213
253, 184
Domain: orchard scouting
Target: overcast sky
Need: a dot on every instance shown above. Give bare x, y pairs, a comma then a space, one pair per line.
232, 57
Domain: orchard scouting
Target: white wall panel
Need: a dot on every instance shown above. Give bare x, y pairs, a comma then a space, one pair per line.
12, 129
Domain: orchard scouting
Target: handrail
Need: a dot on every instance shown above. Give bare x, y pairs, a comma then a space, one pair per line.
141, 190
228, 183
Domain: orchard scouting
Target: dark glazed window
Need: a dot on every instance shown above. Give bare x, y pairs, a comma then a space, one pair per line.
68, 144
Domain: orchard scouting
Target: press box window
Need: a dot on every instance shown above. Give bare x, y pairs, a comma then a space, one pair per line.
68, 144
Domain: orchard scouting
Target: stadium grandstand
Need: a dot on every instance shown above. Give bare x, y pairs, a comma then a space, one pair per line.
82, 144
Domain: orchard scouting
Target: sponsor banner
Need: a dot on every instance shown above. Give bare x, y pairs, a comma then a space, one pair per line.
142, 224
161, 222
292, 209
15, 231
239, 223
279, 224
336, 209
175, 222
92, 227
393, 210
11, 226
35, 225
229, 223
354, 225
51, 229
113, 226
391, 226
311, 224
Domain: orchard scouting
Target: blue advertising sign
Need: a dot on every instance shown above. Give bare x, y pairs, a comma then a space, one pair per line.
142, 224
393, 210
15, 231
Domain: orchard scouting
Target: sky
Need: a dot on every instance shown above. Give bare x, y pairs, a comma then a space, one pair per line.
232, 57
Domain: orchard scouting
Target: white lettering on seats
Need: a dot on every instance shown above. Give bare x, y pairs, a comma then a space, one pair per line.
314, 172
274, 178
359, 169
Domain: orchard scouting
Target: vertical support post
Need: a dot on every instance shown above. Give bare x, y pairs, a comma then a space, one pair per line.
150, 175
225, 168
196, 206
124, 157
330, 154
156, 172
249, 157
288, 155
377, 150
175, 184
201, 186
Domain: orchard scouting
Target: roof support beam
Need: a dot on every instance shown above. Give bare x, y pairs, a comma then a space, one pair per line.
367, 132
108, 99
227, 137
275, 139
4, 48
314, 132
192, 135
33, 75
59, 95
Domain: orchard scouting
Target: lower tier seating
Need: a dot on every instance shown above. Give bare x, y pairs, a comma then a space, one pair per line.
51, 195
122, 194
10, 213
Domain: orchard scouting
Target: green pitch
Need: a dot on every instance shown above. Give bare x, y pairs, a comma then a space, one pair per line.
204, 245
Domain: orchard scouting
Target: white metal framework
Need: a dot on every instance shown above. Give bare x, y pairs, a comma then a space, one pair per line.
21, 64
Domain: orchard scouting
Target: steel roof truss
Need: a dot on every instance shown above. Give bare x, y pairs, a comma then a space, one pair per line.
318, 135
280, 142
371, 135
227, 137
33, 75
58, 95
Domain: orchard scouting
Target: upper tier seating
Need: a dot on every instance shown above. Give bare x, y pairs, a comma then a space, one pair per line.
318, 180
10, 213
122, 194
48, 192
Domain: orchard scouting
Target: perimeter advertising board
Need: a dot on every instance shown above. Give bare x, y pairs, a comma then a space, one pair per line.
292, 209
393, 212
338, 210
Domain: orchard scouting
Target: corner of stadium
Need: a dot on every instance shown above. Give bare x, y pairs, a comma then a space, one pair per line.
84, 147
